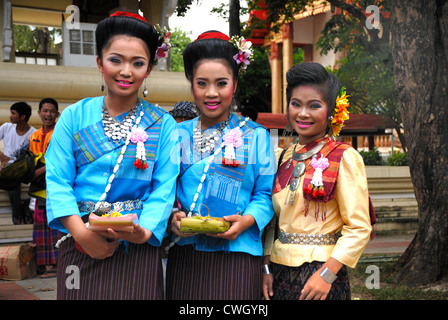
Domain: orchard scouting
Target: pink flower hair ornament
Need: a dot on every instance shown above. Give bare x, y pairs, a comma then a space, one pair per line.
164, 43
245, 52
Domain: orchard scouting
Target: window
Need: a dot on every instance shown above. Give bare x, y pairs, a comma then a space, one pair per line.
79, 48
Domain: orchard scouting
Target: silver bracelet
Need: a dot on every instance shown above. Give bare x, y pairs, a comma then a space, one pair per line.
266, 269
328, 276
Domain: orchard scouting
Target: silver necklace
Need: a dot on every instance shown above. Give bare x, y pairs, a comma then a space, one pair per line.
299, 169
204, 142
117, 130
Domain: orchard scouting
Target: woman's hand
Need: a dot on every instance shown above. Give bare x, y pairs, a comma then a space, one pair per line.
315, 288
175, 224
95, 245
139, 235
268, 280
238, 224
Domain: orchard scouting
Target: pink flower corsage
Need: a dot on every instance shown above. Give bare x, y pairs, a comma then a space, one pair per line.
232, 139
139, 136
316, 186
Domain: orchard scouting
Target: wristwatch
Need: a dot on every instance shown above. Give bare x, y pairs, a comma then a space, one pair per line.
327, 275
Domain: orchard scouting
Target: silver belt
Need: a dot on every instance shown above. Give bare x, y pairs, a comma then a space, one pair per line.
308, 238
106, 207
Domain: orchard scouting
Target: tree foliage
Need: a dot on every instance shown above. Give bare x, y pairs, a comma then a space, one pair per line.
179, 40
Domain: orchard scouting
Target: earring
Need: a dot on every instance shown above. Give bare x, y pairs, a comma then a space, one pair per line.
145, 91
102, 83
288, 131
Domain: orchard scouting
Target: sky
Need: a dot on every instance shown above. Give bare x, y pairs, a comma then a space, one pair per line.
199, 19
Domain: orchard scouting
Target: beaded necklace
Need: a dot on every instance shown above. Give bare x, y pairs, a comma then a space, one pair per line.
101, 204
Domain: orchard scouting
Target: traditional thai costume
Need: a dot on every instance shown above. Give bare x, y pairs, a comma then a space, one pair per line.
322, 211
203, 267
82, 160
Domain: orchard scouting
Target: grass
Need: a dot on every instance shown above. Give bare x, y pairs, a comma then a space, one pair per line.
388, 288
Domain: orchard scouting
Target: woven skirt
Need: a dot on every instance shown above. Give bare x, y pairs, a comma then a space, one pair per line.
289, 281
44, 238
133, 272
198, 275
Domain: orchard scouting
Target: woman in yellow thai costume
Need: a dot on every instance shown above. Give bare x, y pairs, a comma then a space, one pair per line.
322, 208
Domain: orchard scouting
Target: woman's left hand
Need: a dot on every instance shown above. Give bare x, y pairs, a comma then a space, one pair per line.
238, 224
315, 288
139, 235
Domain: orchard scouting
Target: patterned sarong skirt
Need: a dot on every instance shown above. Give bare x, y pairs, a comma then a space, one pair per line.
133, 272
289, 281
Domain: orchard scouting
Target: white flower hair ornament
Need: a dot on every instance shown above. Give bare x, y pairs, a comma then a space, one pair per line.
245, 53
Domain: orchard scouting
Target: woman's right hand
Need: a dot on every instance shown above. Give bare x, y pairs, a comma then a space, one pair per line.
175, 224
96, 245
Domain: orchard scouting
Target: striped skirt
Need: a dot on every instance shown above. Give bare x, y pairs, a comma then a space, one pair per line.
289, 281
133, 272
198, 275
44, 238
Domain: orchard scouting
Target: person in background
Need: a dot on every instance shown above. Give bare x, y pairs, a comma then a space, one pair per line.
184, 110
15, 136
44, 237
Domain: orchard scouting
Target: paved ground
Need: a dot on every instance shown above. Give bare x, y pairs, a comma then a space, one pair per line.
45, 289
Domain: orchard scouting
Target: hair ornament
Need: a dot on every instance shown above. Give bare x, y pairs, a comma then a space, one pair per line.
128, 14
245, 52
164, 43
340, 113
213, 35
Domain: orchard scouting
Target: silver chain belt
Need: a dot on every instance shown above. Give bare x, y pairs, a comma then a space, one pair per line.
308, 238
106, 207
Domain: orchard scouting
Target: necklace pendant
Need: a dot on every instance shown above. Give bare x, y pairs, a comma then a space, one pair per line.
298, 170
294, 184
288, 164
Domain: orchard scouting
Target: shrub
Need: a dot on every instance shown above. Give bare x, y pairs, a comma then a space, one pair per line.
371, 157
398, 159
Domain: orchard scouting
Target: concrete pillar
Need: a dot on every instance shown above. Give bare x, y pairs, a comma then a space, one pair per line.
276, 79
287, 36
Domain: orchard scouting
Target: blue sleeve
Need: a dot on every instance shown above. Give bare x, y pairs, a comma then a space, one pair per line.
263, 164
157, 208
60, 173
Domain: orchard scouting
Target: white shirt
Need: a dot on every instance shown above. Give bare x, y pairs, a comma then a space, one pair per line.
11, 140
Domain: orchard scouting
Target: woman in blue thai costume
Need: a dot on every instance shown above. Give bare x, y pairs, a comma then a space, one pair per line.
108, 153
227, 170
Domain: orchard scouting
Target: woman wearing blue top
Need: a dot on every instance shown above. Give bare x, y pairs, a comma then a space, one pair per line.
227, 170
108, 153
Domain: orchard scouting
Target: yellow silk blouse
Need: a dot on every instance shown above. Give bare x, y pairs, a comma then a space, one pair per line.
347, 212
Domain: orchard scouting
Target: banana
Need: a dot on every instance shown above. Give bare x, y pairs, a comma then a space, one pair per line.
203, 225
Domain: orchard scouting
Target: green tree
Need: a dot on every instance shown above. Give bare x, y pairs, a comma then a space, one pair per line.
36, 39
179, 40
